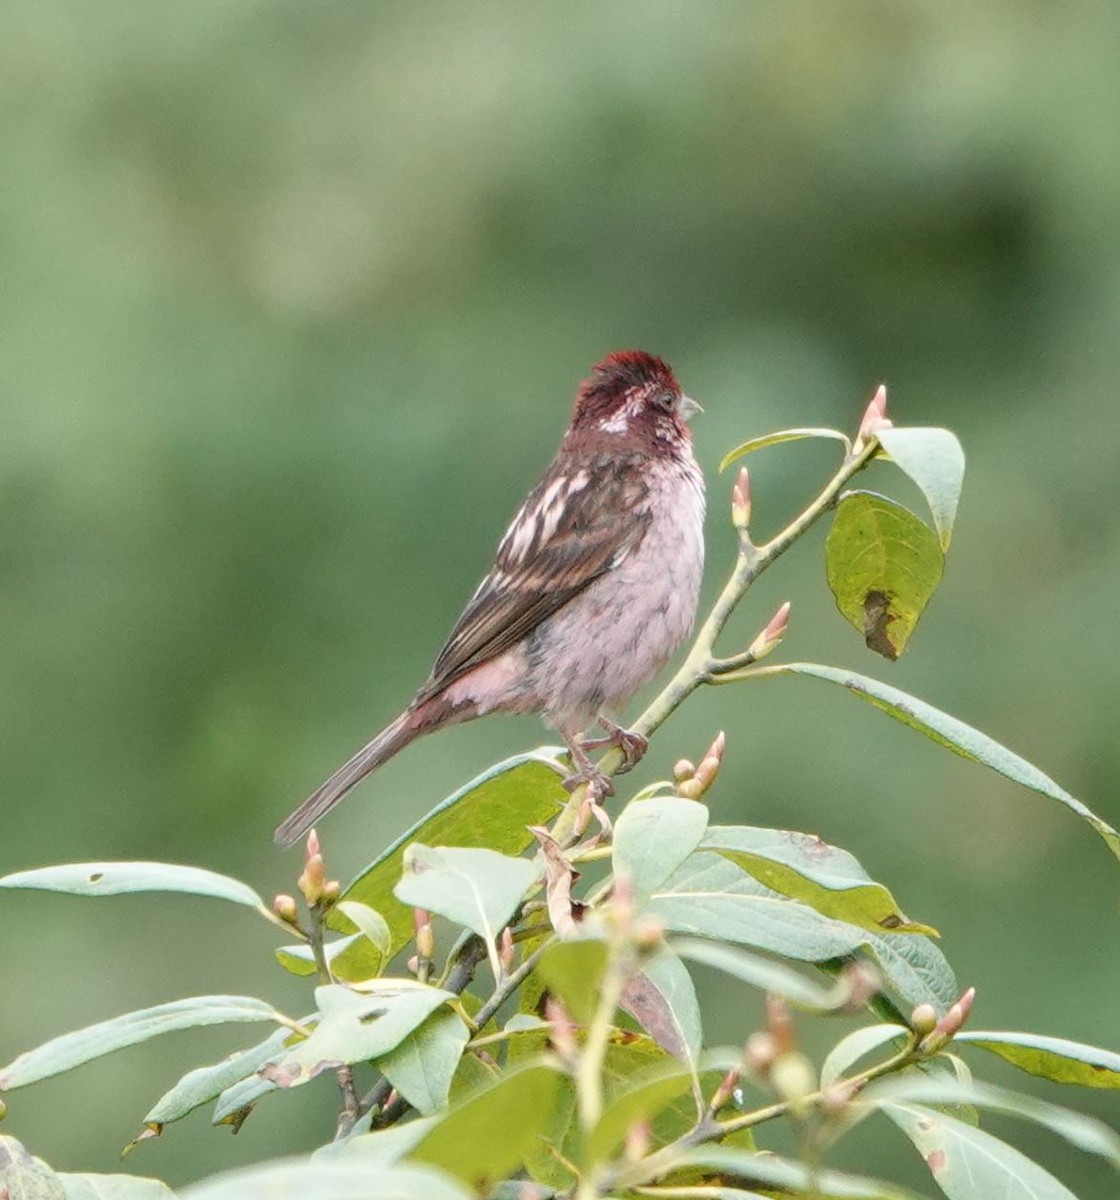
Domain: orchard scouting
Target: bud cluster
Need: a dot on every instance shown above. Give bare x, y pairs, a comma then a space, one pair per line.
692, 781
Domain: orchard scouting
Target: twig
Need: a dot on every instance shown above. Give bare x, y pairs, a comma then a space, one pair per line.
708, 1130
349, 1110
701, 666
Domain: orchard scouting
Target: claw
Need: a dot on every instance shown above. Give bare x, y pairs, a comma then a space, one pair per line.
632, 744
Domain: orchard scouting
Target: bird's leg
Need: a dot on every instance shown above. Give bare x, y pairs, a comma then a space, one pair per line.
585, 770
633, 745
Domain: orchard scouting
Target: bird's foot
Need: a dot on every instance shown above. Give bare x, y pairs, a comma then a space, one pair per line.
632, 744
599, 785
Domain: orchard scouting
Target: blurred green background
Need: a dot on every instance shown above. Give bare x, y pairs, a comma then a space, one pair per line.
294, 299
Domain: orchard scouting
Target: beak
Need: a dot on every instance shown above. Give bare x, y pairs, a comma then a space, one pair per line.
689, 408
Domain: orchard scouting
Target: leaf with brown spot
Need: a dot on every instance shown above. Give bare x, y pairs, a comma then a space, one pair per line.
883, 565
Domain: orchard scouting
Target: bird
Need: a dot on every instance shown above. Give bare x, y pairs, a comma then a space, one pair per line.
593, 587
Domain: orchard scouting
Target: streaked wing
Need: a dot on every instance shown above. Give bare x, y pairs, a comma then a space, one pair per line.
578, 523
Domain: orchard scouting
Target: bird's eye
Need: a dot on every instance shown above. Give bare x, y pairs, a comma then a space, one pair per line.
666, 400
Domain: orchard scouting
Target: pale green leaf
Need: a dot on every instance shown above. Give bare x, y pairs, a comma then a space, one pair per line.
423, 1064
714, 898
1086, 1133
122, 878
343, 1178
492, 810
753, 969
662, 999
473, 887
934, 460
849, 1050
770, 1171
385, 1147
355, 1026
1050, 1057
370, 923
24, 1177
237, 1099
114, 1187
969, 1164
805, 867
299, 958
883, 566
783, 435
653, 837
204, 1084
962, 739
80, 1046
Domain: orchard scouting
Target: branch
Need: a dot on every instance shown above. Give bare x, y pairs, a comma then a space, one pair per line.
708, 1130
701, 666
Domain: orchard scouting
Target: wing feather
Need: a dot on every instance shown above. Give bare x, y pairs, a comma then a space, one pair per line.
580, 521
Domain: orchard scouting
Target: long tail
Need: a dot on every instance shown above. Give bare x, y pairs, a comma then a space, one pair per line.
395, 737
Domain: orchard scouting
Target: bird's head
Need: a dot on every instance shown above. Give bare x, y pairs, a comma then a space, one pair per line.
633, 399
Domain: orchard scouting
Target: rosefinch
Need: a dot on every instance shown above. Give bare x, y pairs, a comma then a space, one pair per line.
593, 588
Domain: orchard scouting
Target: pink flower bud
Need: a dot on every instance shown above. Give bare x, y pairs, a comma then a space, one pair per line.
875, 417
780, 1023
741, 501
771, 637
760, 1052
725, 1091
683, 770
313, 846
636, 1146
313, 878
506, 949
285, 908
562, 1032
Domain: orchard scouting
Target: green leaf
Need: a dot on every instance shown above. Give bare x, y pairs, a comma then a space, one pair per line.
663, 1092
755, 970
969, 1164
114, 1187
662, 999
299, 958
122, 878
24, 1177
422, 1066
72, 1049
371, 924
204, 1084
491, 1133
355, 1026
476, 888
385, 1147
934, 460
1050, 1057
806, 868
573, 972
235, 1102
713, 898
343, 1178
962, 739
653, 837
769, 1171
1086, 1133
883, 566
492, 810
849, 1050
783, 435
